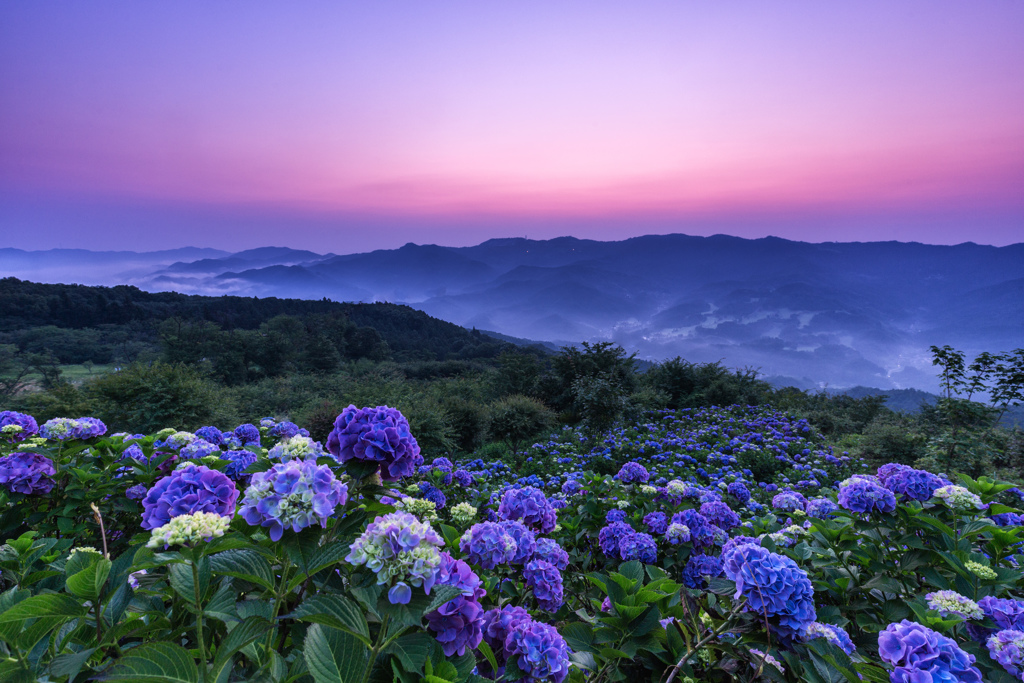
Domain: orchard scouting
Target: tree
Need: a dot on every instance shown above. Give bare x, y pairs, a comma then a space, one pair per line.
515, 419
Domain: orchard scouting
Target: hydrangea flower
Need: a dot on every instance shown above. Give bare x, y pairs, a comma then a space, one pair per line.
656, 522
542, 653
292, 495
546, 582
720, 514
402, 551
1007, 648
917, 651
788, 501
435, 495
677, 487
766, 659
285, 430
488, 544
549, 551
248, 434
177, 440
497, 624
736, 541
947, 603
457, 623
137, 492
211, 435
609, 537
677, 533
1008, 519
911, 484
296, 446
821, 508
638, 546
862, 495
773, 585
381, 435
886, 471
526, 541
832, 634
981, 571
738, 491
463, 478
238, 462
189, 530
463, 514
63, 428
17, 426
699, 568
1008, 614
958, 498
27, 473
530, 506
633, 472
702, 532
426, 510
197, 449
615, 515
193, 488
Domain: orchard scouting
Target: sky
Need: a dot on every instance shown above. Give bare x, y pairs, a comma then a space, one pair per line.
347, 127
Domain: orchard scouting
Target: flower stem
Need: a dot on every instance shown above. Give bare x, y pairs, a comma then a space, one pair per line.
199, 620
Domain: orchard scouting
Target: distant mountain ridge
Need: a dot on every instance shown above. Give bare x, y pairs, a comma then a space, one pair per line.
844, 314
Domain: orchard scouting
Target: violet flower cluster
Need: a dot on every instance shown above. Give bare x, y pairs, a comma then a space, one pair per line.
638, 546
457, 624
541, 653
862, 495
17, 426
488, 544
832, 634
918, 653
773, 585
63, 428
27, 473
699, 568
911, 484
402, 551
193, 488
292, 495
1007, 648
546, 582
633, 472
530, 506
380, 435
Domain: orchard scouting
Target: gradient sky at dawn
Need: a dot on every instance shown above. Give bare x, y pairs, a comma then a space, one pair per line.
348, 127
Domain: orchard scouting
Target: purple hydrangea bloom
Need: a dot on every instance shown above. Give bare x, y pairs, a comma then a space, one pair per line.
633, 472
442, 464
700, 566
28, 424
788, 501
610, 536
283, 430
638, 546
435, 495
211, 435
773, 585
720, 514
27, 473
737, 541
702, 532
1007, 648
238, 462
821, 508
542, 653
530, 506
403, 552
457, 623
656, 522
1008, 519
137, 492
738, 491
488, 544
921, 654
888, 470
294, 495
199, 448
546, 582
193, 488
463, 478
615, 515
571, 487
1008, 614
497, 624
248, 434
526, 541
381, 435
832, 634
549, 551
861, 495
911, 484
62, 428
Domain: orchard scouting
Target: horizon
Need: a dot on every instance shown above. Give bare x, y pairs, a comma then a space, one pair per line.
143, 127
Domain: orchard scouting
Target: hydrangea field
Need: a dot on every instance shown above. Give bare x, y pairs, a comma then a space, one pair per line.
719, 544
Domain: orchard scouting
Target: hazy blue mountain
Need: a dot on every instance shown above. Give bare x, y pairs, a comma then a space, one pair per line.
844, 314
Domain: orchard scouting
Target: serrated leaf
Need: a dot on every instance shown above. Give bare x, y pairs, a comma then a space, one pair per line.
155, 663
247, 565
182, 579
333, 656
241, 635
321, 559
335, 611
412, 650
88, 583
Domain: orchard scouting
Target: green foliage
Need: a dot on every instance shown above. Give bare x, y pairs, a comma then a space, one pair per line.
692, 385
515, 419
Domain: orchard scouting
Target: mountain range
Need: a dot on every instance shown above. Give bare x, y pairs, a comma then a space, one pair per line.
834, 314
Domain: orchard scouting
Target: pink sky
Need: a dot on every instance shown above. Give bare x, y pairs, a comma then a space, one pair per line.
235, 124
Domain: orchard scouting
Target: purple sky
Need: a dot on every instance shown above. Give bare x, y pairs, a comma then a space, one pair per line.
351, 127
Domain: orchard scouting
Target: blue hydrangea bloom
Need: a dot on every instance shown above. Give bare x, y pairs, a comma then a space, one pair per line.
638, 546
1008, 614
610, 536
656, 522
488, 544
1007, 648
549, 551
773, 585
544, 579
911, 484
699, 567
738, 491
211, 435
248, 434
633, 472
402, 551
526, 541
27, 473
497, 624
284, 430
457, 623
541, 652
238, 462
861, 495
435, 495
788, 501
193, 488
821, 508
918, 653
615, 515
720, 514
530, 506
831, 633
294, 495
381, 435
27, 423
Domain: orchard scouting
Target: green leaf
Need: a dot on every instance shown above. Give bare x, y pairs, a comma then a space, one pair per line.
45, 605
578, 636
247, 565
335, 611
632, 570
327, 556
488, 654
70, 664
155, 663
240, 636
412, 650
333, 656
183, 580
88, 583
